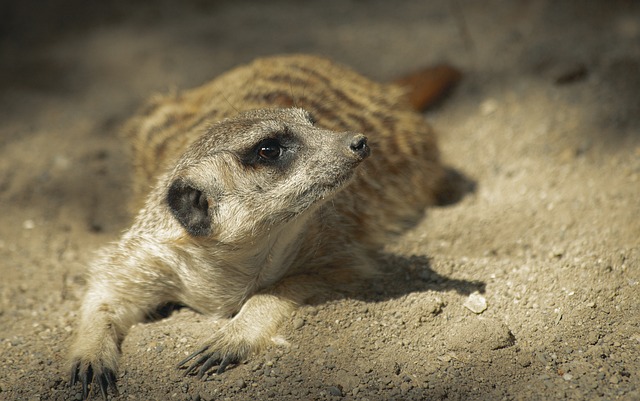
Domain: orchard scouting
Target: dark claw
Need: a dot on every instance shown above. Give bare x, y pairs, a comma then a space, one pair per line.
213, 360
111, 381
103, 386
106, 380
223, 366
190, 357
74, 374
204, 358
206, 362
87, 377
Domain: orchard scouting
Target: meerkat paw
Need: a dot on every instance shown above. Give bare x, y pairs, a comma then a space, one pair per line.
224, 348
94, 362
89, 373
251, 329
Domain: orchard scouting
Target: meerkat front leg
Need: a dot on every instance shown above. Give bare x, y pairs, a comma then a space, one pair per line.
252, 328
116, 299
104, 322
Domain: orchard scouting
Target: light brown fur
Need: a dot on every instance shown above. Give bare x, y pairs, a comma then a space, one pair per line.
230, 235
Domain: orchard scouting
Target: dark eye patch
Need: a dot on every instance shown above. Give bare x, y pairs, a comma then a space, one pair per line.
272, 150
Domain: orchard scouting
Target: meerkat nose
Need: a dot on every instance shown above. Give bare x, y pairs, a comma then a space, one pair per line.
359, 147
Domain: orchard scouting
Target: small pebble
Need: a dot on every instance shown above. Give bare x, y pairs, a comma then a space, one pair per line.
298, 323
558, 318
335, 391
570, 73
476, 303
488, 107
541, 357
405, 387
524, 361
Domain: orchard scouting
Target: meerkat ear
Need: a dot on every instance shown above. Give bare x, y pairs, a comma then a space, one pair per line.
191, 207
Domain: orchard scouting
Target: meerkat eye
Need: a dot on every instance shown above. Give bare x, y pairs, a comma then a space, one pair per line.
269, 149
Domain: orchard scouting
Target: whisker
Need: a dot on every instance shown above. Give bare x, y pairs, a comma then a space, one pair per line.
226, 99
293, 97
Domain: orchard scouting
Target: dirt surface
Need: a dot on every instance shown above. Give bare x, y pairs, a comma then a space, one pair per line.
546, 122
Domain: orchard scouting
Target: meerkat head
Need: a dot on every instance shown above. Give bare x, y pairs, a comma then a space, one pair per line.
259, 170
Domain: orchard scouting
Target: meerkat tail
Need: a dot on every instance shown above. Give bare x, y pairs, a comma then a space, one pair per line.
425, 87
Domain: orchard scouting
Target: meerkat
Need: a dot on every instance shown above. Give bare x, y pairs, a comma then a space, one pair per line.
256, 192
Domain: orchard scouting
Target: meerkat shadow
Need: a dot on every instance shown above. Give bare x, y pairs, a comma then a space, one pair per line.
403, 274
163, 311
400, 275
414, 273
454, 187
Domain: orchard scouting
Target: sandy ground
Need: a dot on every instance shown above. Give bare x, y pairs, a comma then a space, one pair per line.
546, 122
